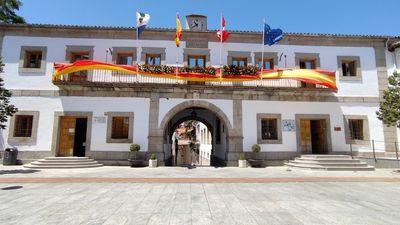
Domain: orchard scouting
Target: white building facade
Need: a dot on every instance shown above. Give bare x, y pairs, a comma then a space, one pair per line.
100, 115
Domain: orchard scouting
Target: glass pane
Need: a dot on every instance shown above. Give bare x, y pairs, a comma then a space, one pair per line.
157, 61
192, 62
200, 62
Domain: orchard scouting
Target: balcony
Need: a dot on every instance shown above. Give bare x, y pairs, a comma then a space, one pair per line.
91, 73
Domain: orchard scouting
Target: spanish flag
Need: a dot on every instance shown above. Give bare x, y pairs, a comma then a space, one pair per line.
178, 33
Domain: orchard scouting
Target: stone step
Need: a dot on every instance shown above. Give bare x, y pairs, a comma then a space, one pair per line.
31, 166
331, 168
67, 158
338, 164
328, 160
63, 163
326, 156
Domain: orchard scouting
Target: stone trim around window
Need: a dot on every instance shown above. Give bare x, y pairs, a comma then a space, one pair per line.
78, 48
307, 56
22, 57
261, 116
239, 54
149, 50
110, 115
196, 51
123, 50
358, 76
267, 55
24, 140
366, 141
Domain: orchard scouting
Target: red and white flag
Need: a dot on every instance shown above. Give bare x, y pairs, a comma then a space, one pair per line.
225, 34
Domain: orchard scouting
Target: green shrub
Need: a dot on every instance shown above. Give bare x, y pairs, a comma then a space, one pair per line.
153, 156
134, 147
242, 157
256, 148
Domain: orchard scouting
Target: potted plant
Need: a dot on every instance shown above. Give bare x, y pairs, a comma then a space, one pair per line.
135, 162
255, 161
153, 161
242, 161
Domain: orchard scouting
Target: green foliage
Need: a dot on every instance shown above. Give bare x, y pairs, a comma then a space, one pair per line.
6, 109
389, 110
134, 147
197, 69
256, 148
157, 69
153, 156
239, 70
242, 157
7, 11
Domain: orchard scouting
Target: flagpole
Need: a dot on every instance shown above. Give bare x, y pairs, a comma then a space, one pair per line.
262, 51
137, 49
177, 54
220, 49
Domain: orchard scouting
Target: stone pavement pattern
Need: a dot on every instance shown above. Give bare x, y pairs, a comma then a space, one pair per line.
245, 203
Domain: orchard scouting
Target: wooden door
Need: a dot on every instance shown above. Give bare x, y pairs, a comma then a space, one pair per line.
305, 136
67, 136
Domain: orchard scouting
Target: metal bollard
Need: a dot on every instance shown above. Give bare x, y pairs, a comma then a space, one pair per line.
373, 149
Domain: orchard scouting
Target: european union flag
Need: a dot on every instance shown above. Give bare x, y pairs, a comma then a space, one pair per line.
272, 36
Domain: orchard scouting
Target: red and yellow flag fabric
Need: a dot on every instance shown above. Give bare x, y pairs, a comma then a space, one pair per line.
320, 77
178, 33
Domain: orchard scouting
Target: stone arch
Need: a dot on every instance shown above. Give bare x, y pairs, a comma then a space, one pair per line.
196, 103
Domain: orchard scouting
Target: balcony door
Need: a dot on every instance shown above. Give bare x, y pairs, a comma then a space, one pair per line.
80, 75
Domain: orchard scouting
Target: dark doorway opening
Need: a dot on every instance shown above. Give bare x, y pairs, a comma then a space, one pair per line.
318, 136
80, 137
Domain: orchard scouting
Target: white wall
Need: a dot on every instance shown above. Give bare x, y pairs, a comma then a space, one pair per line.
56, 48
98, 105
288, 111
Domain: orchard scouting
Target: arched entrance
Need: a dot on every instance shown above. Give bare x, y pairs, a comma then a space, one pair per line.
211, 116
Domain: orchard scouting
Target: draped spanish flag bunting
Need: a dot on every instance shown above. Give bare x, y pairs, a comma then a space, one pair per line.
320, 77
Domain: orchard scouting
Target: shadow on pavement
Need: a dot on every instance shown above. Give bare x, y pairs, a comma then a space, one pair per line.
2, 172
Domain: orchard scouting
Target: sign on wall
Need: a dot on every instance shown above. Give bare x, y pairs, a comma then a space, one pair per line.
99, 119
289, 125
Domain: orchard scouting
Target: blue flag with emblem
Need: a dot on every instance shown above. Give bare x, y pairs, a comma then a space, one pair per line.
272, 36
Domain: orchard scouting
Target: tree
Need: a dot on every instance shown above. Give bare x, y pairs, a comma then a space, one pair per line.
6, 109
389, 110
7, 11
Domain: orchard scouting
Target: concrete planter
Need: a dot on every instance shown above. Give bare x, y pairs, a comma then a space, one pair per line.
153, 163
242, 163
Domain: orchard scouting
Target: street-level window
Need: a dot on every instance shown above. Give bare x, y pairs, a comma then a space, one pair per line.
153, 59
196, 60
356, 127
269, 129
120, 128
33, 59
23, 126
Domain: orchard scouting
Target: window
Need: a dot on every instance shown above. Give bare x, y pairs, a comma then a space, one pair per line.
23, 125
23, 128
267, 64
349, 68
239, 61
269, 129
124, 58
196, 60
356, 129
153, 59
120, 128
307, 64
80, 75
33, 59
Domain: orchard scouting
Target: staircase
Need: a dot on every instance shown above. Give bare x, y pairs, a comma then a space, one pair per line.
63, 163
329, 162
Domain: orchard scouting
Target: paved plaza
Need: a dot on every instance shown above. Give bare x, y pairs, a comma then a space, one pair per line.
123, 195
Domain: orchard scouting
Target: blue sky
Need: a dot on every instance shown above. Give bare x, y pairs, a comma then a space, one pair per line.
308, 16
